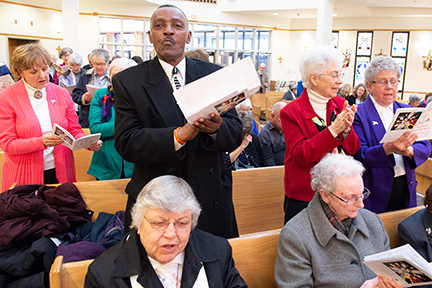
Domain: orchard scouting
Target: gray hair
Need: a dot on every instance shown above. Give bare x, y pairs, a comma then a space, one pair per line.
64, 51
415, 97
244, 104
278, 106
119, 64
316, 61
381, 64
246, 121
100, 52
75, 58
168, 193
333, 167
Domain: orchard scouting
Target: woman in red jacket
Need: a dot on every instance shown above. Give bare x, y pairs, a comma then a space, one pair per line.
315, 124
30, 108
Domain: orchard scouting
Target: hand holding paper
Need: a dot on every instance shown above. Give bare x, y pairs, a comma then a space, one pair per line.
209, 126
50, 140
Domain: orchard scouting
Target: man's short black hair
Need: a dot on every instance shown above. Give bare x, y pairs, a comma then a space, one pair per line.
171, 6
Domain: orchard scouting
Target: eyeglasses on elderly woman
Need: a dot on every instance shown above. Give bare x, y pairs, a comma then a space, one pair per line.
385, 82
354, 199
335, 76
162, 224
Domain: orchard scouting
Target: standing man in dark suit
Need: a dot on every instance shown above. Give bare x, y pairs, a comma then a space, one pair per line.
263, 78
151, 131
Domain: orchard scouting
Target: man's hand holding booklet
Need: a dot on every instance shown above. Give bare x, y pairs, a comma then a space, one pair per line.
219, 91
71, 142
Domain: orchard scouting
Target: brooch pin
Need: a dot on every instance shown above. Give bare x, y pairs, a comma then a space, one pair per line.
374, 123
428, 230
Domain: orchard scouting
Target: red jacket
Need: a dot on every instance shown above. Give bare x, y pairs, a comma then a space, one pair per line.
305, 146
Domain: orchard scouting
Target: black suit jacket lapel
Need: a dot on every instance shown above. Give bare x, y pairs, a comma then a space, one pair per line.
160, 92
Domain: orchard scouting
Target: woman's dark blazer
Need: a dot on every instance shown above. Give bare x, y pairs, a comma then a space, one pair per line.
128, 258
416, 230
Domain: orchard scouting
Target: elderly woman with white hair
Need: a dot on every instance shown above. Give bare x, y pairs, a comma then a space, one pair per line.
72, 76
414, 99
325, 244
107, 164
164, 249
246, 106
389, 166
314, 124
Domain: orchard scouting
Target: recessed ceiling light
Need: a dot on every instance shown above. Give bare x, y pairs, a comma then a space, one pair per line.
275, 14
334, 15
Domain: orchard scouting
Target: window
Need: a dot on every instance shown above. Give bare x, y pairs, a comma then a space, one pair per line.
124, 37
363, 55
399, 52
225, 44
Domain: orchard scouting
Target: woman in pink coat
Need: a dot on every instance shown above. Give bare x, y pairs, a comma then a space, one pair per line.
29, 110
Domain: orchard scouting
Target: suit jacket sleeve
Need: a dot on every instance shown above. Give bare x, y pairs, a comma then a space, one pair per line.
410, 232
266, 148
138, 144
154, 143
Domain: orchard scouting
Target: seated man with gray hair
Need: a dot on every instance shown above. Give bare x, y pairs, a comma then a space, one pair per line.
325, 244
272, 140
164, 249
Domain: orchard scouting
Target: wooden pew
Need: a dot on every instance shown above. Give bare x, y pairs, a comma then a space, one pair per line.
253, 187
391, 221
104, 196
259, 100
254, 256
256, 112
82, 159
424, 176
250, 188
68, 275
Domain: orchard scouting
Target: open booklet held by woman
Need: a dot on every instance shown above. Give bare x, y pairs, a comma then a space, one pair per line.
71, 142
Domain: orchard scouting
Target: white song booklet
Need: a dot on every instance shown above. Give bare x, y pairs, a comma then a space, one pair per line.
71, 142
219, 91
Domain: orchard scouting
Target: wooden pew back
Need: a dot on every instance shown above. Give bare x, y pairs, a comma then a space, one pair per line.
391, 221
254, 256
104, 196
252, 188
68, 275
424, 176
259, 100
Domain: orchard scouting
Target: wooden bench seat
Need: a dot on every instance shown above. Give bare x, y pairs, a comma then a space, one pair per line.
424, 176
391, 221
